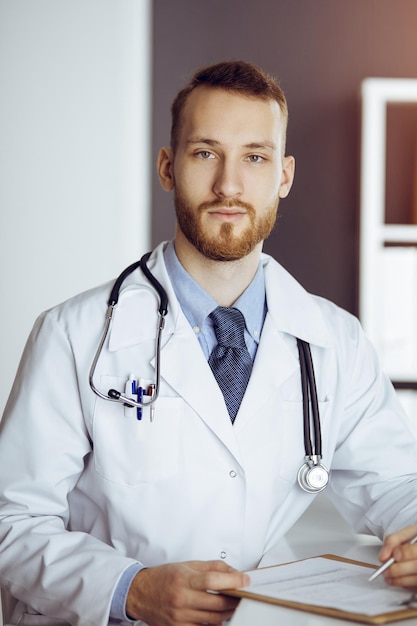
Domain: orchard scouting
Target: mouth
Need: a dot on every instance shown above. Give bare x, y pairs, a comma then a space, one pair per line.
227, 213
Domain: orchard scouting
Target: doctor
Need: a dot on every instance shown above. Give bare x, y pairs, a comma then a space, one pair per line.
106, 517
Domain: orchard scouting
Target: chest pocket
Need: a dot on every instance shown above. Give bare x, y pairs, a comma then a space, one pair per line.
128, 451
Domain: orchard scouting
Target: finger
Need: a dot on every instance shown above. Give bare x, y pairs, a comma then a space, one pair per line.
396, 539
219, 581
198, 617
406, 552
213, 601
402, 574
207, 608
214, 618
405, 582
216, 576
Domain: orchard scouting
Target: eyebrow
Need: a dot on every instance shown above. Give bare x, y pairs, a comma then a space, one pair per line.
253, 145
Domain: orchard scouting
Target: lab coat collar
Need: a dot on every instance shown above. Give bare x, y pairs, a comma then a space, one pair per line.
293, 310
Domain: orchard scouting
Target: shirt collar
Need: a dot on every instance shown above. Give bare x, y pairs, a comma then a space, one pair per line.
197, 304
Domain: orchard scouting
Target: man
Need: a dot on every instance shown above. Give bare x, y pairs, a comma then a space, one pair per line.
103, 514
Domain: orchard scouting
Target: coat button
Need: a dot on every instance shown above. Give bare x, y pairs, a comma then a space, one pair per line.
223, 555
232, 474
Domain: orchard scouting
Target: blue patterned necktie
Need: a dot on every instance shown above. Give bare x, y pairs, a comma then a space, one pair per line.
230, 360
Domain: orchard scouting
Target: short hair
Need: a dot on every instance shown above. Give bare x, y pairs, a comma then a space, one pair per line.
236, 76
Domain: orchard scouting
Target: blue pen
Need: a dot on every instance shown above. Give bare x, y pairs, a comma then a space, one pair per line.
138, 392
140, 399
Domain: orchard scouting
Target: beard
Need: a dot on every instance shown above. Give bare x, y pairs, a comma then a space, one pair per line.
225, 245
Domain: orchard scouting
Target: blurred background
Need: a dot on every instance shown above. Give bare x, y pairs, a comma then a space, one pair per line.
86, 87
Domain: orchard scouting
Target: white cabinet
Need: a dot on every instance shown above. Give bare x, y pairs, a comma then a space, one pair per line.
388, 248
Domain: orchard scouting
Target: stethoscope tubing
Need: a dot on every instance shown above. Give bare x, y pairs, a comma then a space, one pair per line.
309, 392
113, 394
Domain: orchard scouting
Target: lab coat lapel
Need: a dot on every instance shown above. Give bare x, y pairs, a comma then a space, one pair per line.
292, 312
186, 370
274, 364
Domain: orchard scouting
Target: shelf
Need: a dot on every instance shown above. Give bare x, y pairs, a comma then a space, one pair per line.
398, 233
388, 251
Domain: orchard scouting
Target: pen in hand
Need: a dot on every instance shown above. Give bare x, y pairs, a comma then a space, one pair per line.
387, 564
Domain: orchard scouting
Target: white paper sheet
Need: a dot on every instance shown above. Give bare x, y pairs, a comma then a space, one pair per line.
329, 583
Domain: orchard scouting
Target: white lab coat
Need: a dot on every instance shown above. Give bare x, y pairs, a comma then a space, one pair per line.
86, 490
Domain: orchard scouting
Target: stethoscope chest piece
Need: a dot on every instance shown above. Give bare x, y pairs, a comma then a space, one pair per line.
313, 477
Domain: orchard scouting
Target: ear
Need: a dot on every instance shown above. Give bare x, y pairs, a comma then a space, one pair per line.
165, 169
288, 171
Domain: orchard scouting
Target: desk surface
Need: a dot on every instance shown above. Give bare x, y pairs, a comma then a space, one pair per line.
320, 531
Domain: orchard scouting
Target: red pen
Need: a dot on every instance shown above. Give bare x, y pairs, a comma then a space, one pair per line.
151, 392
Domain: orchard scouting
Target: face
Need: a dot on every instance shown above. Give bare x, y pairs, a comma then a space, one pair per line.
228, 172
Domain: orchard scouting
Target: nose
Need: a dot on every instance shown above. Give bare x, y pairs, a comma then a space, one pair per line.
228, 182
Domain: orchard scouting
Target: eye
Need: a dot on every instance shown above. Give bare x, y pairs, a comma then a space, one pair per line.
204, 154
255, 158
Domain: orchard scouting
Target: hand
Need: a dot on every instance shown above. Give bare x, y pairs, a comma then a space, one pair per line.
176, 594
403, 573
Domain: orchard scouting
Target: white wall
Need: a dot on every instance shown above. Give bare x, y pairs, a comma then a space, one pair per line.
74, 154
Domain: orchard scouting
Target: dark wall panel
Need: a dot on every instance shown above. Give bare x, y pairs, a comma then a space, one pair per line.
320, 50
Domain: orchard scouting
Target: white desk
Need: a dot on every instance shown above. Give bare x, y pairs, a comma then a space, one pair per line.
320, 531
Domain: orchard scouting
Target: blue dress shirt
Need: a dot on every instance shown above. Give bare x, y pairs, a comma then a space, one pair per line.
197, 305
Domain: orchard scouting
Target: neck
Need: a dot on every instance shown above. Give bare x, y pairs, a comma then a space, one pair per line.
225, 281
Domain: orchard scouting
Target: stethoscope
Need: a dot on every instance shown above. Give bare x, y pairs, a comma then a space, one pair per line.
312, 476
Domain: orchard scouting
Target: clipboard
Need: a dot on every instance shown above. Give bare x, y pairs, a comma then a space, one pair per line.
381, 618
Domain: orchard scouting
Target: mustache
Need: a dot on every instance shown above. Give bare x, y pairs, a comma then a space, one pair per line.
227, 204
